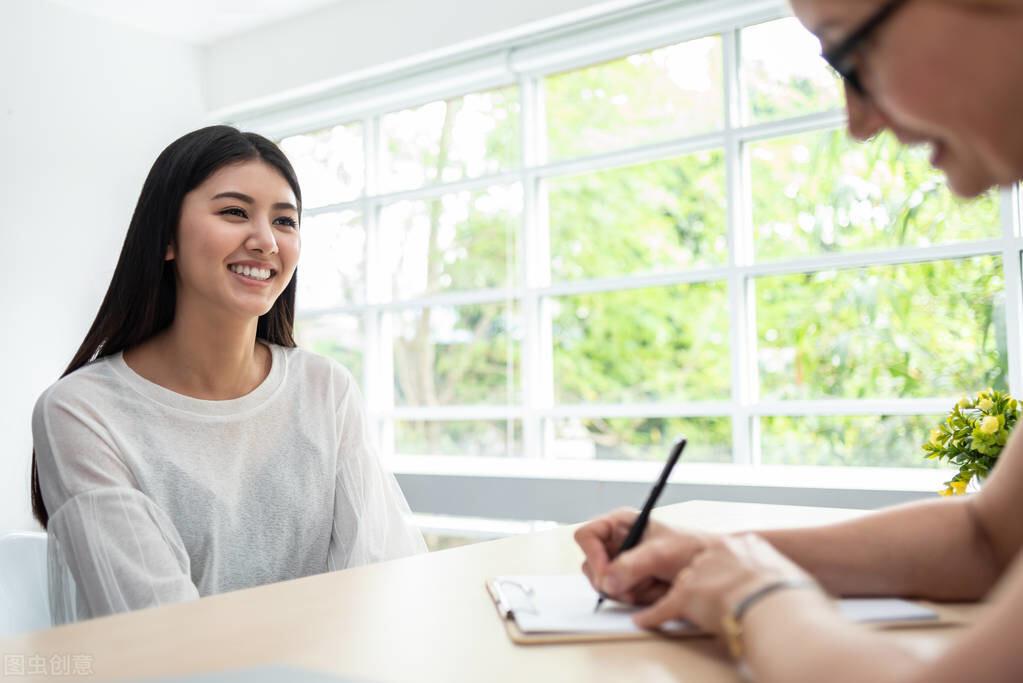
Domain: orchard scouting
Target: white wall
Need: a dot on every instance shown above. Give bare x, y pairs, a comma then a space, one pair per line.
85, 107
355, 36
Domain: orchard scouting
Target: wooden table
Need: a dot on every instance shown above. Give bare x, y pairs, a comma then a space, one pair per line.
426, 619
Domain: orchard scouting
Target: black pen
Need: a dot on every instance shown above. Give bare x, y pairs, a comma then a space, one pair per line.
639, 526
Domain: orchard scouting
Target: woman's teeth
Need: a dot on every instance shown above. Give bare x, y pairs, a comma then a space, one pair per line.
254, 273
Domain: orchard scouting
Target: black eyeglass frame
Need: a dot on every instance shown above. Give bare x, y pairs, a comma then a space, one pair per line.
836, 56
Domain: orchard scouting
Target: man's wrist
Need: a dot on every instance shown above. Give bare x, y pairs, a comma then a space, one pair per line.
743, 599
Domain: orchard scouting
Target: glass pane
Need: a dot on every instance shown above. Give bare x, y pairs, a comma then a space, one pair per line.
456, 242
663, 216
666, 93
919, 330
335, 336
448, 140
330, 164
448, 355
856, 440
332, 268
481, 438
640, 438
652, 344
823, 192
783, 73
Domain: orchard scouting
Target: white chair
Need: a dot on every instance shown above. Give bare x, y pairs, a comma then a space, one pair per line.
24, 595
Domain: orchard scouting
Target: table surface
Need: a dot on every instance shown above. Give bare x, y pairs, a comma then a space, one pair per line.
425, 618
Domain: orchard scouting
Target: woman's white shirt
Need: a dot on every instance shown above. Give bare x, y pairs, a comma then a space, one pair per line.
155, 497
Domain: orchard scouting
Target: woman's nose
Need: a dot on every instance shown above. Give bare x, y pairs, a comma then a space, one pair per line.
865, 119
262, 238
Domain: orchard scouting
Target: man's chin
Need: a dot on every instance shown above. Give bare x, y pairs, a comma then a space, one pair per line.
968, 185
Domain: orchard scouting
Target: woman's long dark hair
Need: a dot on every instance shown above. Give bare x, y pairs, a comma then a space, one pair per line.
140, 300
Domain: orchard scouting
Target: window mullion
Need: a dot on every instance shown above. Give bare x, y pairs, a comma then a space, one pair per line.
745, 445
534, 264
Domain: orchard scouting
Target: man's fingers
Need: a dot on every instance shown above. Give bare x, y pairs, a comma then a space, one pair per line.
588, 573
650, 593
602, 537
592, 539
659, 559
667, 608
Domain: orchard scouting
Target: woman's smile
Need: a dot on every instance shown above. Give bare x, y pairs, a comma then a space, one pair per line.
252, 273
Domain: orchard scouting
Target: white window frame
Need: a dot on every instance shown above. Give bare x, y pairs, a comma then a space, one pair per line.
537, 487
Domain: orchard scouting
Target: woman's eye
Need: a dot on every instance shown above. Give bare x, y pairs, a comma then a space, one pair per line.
286, 220
233, 211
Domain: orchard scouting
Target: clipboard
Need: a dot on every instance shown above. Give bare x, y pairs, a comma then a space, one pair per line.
881, 613
496, 588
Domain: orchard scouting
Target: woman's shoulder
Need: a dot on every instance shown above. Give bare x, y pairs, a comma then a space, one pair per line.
313, 367
84, 386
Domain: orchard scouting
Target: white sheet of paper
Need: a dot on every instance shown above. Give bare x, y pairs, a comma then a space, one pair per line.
564, 604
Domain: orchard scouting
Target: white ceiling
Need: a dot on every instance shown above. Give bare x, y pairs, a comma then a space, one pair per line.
196, 21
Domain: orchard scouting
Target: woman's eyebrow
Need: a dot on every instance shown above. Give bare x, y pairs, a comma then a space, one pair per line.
242, 197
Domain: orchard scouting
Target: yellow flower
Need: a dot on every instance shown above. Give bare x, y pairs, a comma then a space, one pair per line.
947, 491
989, 425
958, 487
985, 404
963, 402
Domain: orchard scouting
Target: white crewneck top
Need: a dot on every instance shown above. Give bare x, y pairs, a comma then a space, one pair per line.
156, 497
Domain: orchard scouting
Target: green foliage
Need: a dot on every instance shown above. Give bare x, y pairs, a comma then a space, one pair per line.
651, 344
645, 438
871, 332
846, 440
458, 356
780, 83
674, 210
449, 140
972, 436
643, 98
822, 192
474, 438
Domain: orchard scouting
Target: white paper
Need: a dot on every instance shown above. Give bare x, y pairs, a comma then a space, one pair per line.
880, 610
564, 604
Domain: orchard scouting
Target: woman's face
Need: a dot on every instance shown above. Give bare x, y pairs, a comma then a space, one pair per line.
945, 74
238, 240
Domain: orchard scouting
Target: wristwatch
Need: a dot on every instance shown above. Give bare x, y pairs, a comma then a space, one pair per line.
731, 624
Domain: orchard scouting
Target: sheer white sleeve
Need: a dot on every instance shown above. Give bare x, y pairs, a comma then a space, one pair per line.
111, 548
372, 520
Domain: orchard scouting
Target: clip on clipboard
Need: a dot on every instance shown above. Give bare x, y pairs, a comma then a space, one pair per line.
559, 609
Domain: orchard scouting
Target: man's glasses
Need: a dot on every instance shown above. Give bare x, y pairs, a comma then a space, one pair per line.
842, 57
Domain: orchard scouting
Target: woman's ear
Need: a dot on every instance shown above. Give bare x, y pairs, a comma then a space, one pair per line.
169, 255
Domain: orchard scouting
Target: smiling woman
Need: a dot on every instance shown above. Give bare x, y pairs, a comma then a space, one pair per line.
189, 448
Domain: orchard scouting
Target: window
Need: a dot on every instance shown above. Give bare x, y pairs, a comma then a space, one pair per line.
587, 259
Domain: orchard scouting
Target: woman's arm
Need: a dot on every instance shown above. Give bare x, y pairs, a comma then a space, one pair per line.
372, 520
944, 549
833, 649
898, 552
111, 548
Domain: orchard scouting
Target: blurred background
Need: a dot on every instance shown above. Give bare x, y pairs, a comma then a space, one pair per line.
547, 237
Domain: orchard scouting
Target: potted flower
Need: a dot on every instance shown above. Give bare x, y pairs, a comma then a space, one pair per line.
972, 437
